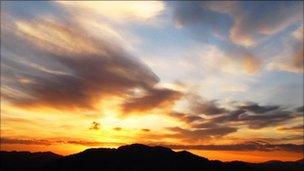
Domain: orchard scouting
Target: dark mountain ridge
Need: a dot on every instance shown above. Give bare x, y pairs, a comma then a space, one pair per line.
135, 157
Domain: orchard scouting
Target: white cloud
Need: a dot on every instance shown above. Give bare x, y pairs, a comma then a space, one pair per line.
119, 11
298, 33
291, 57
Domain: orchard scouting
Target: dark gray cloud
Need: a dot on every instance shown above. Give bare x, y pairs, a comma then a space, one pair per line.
256, 108
153, 98
206, 124
255, 121
259, 121
188, 118
208, 108
230, 116
200, 106
250, 114
300, 109
95, 125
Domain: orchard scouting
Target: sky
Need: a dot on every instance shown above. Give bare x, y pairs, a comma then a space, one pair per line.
222, 79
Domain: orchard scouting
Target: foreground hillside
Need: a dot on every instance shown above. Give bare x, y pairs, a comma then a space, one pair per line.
135, 157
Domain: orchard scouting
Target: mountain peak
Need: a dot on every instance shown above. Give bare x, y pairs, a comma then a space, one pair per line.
142, 147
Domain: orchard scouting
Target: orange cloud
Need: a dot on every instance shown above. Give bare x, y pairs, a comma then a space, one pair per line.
251, 64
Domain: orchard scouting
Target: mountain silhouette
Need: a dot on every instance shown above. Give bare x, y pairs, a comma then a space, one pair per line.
135, 157
25, 160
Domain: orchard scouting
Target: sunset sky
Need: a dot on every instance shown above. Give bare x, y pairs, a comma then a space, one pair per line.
223, 80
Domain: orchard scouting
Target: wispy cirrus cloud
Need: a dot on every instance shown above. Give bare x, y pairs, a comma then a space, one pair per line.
82, 68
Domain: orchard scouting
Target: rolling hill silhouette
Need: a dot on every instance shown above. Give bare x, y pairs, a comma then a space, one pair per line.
135, 157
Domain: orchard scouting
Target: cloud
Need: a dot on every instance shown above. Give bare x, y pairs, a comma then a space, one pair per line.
255, 116
296, 128
297, 57
187, 118
246, 26
247, 146
261, 121
200, 134
24, 141
199, 15
146, 130
64, 63
117, 128
6, 140
205, 124
95, 126
245, 23
230, 60
250, 146
256, 108
300, 109
251, 64
152, 98
220, 121
122, 11
250, 114
200, 106
75, 70
85, 143
208, 22
230, 116
298, 33
254, 20
89, 143
291, 58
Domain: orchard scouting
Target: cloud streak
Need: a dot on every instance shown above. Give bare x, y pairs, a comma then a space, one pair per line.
94, 68
250, 146
201, 134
